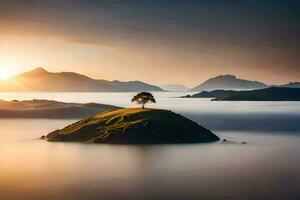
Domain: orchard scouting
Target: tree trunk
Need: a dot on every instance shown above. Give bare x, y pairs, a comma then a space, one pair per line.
143, 106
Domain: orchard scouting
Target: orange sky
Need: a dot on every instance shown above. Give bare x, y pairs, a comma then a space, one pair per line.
159, 51
19, 53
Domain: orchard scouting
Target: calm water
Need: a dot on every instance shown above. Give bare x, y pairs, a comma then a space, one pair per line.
267, 167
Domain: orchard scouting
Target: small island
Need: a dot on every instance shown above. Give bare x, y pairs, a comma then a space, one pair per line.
211, 94
268, 94
50, 109
134, 126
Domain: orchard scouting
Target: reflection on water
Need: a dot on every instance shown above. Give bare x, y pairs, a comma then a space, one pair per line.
265, 168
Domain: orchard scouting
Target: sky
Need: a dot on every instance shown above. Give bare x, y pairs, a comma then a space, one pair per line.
156, 41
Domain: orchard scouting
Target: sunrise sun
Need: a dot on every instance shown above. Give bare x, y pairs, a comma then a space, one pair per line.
5, 74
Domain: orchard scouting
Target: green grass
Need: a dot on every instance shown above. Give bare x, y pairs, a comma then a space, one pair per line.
110, 120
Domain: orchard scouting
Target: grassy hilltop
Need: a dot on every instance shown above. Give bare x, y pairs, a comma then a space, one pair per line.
134, 126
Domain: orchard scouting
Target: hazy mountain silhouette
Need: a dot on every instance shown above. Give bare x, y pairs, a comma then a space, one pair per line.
228, 82
174, 87
292, 85
268, 94
41, 80
50, 109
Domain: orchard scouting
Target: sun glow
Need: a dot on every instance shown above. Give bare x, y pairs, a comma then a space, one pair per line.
5, 73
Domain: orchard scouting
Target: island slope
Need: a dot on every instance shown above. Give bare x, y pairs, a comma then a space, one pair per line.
134, 126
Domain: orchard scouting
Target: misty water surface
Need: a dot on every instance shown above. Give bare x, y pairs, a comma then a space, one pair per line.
267, 167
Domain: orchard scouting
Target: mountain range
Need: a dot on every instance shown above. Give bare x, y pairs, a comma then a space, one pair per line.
40, 80
228, 82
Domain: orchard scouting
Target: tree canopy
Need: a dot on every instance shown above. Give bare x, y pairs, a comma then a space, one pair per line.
143, 98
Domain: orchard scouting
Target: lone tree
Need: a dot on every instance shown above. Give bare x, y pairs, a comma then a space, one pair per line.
143, 98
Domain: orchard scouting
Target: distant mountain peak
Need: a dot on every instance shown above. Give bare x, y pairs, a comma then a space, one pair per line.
227, 76
39, 70
228, 82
